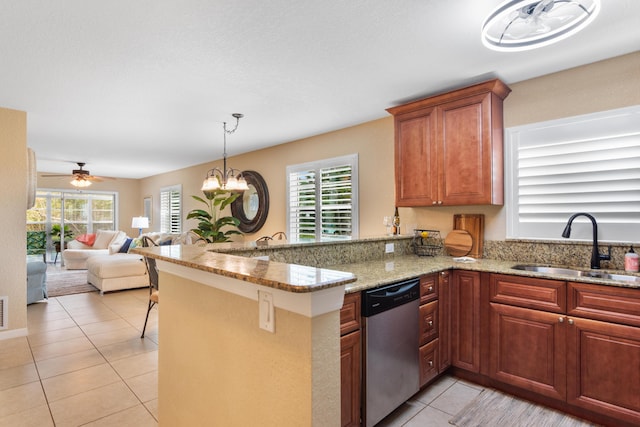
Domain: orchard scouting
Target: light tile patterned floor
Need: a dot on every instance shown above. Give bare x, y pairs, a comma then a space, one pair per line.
83, 363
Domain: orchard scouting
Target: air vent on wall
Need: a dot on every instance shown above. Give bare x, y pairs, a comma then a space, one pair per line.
4, 312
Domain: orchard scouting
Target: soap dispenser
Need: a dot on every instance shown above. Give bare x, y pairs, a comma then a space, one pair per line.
631, 261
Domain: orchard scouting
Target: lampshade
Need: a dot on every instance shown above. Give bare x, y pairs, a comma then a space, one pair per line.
140, 222
528, 24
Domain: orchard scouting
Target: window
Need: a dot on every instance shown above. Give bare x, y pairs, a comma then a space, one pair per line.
171, 209
587, 163
322, 199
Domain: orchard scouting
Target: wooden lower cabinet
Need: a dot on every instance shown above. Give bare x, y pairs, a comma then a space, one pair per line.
603, 368
350, 360
465, 320
527, 349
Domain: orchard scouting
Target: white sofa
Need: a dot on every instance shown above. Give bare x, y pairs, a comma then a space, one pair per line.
107, 242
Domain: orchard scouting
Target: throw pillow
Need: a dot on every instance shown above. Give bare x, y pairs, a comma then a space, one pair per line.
88, 239
125, 246
104, 238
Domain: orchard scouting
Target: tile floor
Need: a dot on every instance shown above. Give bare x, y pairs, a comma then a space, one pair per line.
435, 405
83, 363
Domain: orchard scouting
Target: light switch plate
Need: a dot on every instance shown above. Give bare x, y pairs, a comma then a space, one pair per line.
266, 311
388, 248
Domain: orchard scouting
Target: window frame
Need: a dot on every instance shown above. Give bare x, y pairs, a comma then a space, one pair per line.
317, 166
577, 131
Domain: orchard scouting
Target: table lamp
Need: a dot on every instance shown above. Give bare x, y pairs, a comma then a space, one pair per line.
140, 222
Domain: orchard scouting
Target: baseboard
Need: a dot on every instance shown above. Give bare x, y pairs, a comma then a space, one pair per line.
13, 333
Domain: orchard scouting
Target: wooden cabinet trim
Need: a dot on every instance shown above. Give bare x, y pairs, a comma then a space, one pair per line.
350, 378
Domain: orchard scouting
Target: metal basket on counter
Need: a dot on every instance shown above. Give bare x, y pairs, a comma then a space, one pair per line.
426, 242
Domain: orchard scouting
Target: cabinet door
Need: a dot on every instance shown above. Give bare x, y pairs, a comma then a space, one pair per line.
444, 309
415, 158
350, 379
465, 320
603, 368
527, 349
471, 154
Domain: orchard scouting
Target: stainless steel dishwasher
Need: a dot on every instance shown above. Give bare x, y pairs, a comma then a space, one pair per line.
391, 360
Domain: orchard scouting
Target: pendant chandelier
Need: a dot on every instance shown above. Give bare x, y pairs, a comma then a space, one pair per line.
228, 179
517, 25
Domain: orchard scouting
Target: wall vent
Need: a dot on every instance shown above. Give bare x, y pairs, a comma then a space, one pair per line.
4, 312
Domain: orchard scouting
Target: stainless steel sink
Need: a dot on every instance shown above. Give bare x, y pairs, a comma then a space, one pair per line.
577, 273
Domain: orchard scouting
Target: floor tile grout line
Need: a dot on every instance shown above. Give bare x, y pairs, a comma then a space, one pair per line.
65, 308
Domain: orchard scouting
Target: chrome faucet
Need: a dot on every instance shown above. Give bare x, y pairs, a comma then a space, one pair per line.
596, 256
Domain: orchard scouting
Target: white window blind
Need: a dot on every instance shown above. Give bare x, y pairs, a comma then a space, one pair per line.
322, 199
171, 209
587, 163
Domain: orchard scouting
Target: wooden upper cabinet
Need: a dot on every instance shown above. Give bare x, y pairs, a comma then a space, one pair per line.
448, 148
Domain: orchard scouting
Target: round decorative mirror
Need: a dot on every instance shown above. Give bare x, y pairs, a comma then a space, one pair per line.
253, 206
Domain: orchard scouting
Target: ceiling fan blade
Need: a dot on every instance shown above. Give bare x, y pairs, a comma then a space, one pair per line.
56, 176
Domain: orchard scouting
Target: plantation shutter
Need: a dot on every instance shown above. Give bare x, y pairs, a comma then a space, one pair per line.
302, 205
336, 200
582, 164
171, 209
322, 199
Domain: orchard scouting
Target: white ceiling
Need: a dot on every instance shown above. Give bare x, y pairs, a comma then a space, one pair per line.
137, 88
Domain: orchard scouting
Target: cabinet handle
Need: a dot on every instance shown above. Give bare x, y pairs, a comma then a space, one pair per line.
561, 319
430, 289
434, 202
571, 321
439, 202
431, 363
430, 323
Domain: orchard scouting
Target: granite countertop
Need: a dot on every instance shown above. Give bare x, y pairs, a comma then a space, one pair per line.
355, 276
287, 277
372, 274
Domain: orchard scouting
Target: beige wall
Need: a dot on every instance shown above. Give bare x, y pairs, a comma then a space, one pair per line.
596, 87
129, 202
13, 185
252, 377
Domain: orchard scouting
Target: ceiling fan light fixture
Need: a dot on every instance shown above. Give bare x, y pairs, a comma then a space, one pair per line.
80, 182
517, 25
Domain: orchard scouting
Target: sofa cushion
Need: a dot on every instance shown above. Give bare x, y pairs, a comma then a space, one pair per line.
106, 237
88, 239
125, 246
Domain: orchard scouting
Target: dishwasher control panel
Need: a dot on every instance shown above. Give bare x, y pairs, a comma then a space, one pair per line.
385, 298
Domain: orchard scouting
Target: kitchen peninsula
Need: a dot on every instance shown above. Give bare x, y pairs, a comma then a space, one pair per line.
217, 366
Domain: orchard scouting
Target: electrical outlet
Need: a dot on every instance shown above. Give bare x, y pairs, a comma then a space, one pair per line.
388, 248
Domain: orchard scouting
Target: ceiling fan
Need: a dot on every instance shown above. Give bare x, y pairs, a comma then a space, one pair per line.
81, 177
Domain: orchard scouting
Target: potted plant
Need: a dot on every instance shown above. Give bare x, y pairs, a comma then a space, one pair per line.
56, 232
211, 223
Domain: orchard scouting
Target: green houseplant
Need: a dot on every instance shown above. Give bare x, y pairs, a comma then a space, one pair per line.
210, 220
56, 233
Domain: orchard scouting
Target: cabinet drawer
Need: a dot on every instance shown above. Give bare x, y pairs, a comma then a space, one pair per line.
428, 322
350, 313
428, 288
528, 292
428, 362
609, 303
